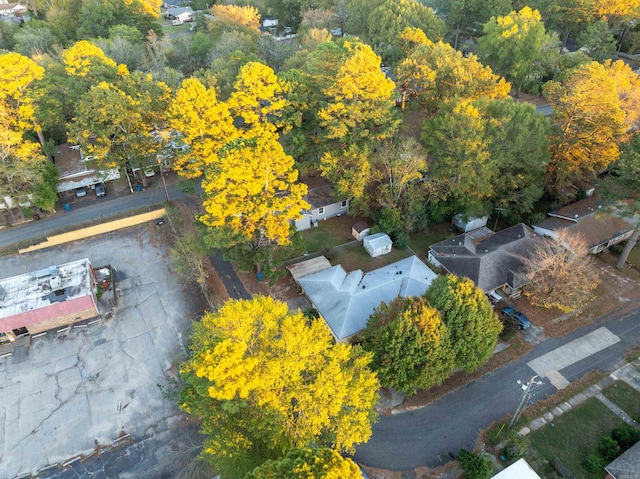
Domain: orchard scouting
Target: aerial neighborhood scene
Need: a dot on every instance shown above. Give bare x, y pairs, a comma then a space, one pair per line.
320, 239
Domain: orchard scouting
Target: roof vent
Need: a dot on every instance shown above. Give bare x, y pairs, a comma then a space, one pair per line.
55, 282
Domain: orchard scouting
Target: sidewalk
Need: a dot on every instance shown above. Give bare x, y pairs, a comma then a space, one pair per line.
627, 373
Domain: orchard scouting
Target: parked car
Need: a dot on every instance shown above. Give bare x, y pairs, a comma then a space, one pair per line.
176, 23
522, 320
80, 192
100, 190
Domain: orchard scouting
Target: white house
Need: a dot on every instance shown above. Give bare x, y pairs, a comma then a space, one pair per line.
323, 203
346, 300
377, 244
518, 470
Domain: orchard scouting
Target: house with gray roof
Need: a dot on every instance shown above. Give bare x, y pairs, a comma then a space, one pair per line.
585, 218
346, 300
625, 466
323, 201
491, 260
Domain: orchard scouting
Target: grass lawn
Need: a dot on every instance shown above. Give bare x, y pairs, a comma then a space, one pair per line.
634, 257
626, 397
319, 238
358, 258
330, 233
575, 435
420, 242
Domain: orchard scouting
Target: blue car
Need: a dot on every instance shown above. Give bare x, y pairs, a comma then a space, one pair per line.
522, 320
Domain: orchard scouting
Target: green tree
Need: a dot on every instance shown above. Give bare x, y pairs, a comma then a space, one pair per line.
410, 345
475, 465
392, 17
45, 194
98, 16
356, 13
456, 138
514, 45
265, 380
518, 140
597, 39
115, 122
312, 463
463, 16
467, 313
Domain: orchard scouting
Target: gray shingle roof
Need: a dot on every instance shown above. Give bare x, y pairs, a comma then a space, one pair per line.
489, 259
627, 466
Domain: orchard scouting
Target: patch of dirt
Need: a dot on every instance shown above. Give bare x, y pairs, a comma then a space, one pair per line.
617, 287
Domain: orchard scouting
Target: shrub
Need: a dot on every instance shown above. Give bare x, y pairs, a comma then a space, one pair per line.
475, 465
510, 328
515, 447
626, 436
608, 448
593, 463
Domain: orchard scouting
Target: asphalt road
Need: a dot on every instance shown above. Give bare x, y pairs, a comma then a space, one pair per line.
85, 211
432, 436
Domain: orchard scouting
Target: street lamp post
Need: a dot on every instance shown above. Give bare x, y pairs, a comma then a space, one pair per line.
524, 399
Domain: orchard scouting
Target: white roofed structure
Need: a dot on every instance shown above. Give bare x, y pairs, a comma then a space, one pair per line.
346, 300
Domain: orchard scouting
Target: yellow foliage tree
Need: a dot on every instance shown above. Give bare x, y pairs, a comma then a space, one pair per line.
588, 124
21, 160
435, 73
360, 100
265, 379
249, 183
83, 58
235, 17
205, 124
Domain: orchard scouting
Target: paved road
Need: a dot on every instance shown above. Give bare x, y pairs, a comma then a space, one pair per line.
433, 435
86, 211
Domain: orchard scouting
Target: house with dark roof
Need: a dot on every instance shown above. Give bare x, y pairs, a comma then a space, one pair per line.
491, 260
324, 203
625, 466
600, 230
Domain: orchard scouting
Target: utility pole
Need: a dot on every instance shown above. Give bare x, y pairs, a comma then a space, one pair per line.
164, 183
524, 399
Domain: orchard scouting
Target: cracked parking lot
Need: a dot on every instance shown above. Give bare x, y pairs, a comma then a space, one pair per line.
76, 394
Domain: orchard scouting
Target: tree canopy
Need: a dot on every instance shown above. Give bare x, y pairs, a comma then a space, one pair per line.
514, 45
22, 163
410, 343
467, 313
320, 463
265, 380
588, 124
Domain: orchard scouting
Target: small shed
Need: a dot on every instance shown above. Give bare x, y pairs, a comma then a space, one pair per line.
469, 223
360, 230
377, 244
